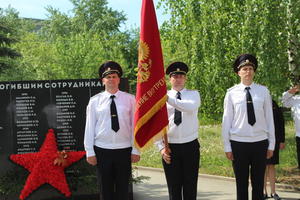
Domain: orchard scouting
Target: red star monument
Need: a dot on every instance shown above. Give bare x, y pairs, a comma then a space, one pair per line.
47, 166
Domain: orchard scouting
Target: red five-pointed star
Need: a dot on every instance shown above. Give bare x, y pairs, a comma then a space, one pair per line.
42, 168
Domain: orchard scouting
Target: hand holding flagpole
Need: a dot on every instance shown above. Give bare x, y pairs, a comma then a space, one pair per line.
166, 152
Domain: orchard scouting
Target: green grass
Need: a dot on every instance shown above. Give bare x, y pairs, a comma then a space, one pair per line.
150, 158
213, 160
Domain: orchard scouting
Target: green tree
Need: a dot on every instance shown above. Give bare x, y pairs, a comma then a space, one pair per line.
293, 26
7, 54
74, 46
208, 35
96, 16
93, 16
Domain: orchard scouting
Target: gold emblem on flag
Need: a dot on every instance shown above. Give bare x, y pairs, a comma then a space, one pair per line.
144, 63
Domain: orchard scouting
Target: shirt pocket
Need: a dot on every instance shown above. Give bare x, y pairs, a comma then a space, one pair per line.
124, 111
258, 103
125, 121
239, 104
103, 111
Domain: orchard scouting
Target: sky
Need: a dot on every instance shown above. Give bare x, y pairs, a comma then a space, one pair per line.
36, 9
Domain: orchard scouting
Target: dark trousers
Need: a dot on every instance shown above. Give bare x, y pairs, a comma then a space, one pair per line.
182, 173
114, 171
249, 157
298, 150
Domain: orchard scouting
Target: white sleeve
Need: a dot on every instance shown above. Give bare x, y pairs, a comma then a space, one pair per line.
89, 134
270, 120
188, 105
160, 144
226, 122
134, 149
288, 100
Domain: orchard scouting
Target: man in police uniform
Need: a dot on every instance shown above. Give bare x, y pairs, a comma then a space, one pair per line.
181, 161
108, 136
248, 128
291, 99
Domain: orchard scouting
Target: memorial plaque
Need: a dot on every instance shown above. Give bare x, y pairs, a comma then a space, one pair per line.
32, 107
29, 100
70, 101
29, 108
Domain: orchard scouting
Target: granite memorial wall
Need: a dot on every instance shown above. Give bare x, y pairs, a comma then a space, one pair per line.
29, 108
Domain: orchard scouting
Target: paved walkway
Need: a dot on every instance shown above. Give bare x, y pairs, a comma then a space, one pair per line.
209, 187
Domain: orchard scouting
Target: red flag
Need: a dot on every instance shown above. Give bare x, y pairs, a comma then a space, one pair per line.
151, 118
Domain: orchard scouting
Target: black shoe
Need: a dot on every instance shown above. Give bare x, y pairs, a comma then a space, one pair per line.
275, 196
266, 196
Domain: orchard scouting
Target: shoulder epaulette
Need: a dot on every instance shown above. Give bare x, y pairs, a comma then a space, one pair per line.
229, 89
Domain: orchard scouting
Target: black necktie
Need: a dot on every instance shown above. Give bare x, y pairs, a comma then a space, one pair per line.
114, 115
250, 108
177, 114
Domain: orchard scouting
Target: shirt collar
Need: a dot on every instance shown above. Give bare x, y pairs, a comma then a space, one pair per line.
242, 86
174, 92
108, 94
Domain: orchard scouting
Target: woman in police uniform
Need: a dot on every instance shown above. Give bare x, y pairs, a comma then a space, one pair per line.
248, 128
270, 174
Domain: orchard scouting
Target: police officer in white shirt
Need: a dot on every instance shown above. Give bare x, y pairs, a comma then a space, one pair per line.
292, 100
181, 162
248, 128
108, 138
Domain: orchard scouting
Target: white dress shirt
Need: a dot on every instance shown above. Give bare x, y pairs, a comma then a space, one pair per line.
293, 101
235, 124
98, 130
187, 131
